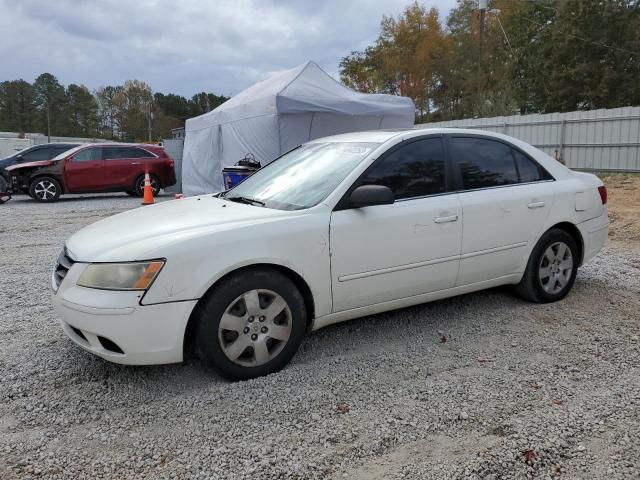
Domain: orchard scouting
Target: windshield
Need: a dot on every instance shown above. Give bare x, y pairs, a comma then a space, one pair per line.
303, 177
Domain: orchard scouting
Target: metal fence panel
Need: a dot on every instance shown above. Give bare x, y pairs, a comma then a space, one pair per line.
599, 140
173, 148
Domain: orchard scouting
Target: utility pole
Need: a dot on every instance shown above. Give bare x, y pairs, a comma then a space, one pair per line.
48, 124
150, 117
482, 6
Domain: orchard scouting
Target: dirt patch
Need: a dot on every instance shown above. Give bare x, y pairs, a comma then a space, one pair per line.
624, 207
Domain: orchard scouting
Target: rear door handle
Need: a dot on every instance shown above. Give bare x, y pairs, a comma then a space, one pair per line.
452, 218
535, 204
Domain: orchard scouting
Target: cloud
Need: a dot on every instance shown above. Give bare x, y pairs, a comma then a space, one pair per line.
220, 46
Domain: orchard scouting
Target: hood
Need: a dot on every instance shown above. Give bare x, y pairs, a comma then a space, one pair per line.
141, 234
39, 163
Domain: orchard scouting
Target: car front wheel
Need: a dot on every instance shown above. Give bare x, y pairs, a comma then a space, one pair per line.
552, 267
45, 189
250, 325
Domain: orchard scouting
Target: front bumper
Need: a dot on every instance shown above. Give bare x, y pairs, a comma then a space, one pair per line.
114, 326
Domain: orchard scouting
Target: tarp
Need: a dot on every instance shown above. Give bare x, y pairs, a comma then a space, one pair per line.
276, 115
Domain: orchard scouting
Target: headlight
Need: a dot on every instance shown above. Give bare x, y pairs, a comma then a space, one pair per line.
120, 276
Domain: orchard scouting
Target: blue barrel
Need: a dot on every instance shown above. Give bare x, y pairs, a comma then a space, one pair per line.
233, 176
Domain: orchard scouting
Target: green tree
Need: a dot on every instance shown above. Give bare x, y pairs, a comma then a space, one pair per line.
108, 110
51, 102
82, 111
134, 110
204, 102
17, 106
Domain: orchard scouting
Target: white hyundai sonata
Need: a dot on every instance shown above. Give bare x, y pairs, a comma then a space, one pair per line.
338, 228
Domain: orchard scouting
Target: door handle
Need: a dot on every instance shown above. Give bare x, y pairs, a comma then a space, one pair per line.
135, 163
535, 204
452, 218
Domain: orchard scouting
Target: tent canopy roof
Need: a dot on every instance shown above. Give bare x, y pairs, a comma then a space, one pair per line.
303, 89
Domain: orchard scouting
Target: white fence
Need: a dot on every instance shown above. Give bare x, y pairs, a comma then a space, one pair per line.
598, 140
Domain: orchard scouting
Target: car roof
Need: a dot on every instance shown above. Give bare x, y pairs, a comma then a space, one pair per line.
118, 144
381, 136
54, 144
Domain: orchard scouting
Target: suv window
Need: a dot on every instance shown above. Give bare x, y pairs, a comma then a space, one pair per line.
483, 163
114, 153
37, 154
88, 154
529, 170
413, 170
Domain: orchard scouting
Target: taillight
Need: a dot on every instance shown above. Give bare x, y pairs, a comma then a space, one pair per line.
170, 163
603, 194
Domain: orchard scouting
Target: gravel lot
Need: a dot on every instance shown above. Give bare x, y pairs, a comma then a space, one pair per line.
479, 386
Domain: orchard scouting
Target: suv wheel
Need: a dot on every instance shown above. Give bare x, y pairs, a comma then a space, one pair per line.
139, 185
552, 267
45, 189
250, 325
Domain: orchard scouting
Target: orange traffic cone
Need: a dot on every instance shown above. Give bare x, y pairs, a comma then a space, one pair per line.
147, 199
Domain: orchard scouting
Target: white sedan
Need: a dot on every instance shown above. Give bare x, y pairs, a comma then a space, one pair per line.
338, 228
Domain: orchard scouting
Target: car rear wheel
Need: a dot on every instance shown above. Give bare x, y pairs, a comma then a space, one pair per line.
552, 267
250, 325
139, 185
45, 189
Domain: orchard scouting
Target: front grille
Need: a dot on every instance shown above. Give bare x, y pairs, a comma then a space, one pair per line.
62, 267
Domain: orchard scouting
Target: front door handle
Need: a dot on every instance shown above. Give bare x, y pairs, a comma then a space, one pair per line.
452, 218
535, 204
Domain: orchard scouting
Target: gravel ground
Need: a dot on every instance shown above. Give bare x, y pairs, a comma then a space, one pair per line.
480, 386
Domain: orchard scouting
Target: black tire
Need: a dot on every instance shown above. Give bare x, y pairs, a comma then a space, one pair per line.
210, 337
45, 189
138, 186
534, 288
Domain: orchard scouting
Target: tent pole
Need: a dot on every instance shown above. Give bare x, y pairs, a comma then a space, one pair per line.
279, 135
313, 115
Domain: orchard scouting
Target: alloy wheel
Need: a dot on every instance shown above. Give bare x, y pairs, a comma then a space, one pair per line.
556, 268
154, 186
255, 328
45, 190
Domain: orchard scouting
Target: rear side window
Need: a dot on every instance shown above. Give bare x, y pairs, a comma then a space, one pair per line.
140, 153
88, 154
38, 154
114, 153
413, 170
529, 170
483, 163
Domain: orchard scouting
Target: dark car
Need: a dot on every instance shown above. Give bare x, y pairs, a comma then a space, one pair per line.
46, 151
95, 168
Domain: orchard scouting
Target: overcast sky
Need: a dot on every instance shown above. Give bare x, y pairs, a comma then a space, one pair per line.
184, 46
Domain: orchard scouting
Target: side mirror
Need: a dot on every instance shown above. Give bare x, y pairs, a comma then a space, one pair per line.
19, 158
369, 195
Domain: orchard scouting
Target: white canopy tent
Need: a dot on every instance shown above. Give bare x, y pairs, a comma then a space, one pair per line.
276, 115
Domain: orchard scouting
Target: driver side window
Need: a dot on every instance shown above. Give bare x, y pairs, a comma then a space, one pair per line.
88, 154
413, 170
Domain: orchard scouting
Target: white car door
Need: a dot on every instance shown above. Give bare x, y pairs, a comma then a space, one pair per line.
505, 199
388, 252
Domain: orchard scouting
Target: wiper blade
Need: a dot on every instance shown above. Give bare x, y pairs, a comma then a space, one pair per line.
247, 200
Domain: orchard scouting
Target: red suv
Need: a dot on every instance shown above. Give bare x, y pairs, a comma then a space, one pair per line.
95, 168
